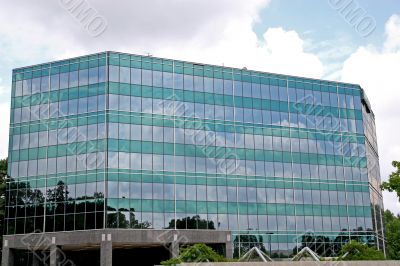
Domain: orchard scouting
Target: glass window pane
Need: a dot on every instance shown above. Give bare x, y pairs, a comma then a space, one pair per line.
73, 79
113, 73
167, 80
83, 77
147, 77
93, 75
136, 76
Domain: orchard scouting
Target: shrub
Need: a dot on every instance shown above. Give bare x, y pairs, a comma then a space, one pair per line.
359, 251
195, 253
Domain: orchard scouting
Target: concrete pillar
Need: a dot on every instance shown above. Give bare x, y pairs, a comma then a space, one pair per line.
35, 261
7, 258
106, 250
174, 249
54, 257
228, 250
228, 247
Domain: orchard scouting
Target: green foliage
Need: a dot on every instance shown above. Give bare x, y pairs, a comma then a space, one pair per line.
195, 253
393, 183
3, 176
392, 228
3, 167
192, 223
173, 261
253, 240
392, 222
359, 251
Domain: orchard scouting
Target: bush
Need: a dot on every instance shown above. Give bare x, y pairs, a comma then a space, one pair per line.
392, 227
195, 253
359, 251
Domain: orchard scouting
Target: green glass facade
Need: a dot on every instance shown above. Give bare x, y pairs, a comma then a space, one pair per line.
115, 140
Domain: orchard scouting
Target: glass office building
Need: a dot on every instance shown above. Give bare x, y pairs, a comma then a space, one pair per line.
125, 141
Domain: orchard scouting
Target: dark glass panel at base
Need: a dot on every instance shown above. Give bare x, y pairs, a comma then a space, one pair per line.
99, 220
59, 222
80, 221
90, 222
69, 222
39, 223
49, 223
147, 256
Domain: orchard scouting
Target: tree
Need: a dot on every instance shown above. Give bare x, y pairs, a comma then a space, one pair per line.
195, 253
58, 193
320, 244
355, 250
194, 222
392, 228
247, 242
3, 177
393, 184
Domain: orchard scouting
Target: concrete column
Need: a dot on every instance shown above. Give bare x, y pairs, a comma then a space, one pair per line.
7, 258
106, 250
35, 261
54, 255
174, 249
228, 247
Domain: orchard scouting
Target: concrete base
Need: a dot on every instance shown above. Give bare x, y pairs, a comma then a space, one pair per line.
7, 257
106, 240
54, 257
106, 253
35, 261
174, 249
228, 250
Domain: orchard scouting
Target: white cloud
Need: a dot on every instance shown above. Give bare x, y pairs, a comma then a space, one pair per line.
133, 26
4, 122
207, 31
376, 70
393, 34
286, 54
279, 51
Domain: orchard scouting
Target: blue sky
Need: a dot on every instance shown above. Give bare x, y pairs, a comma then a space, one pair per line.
318, 20
299, 37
